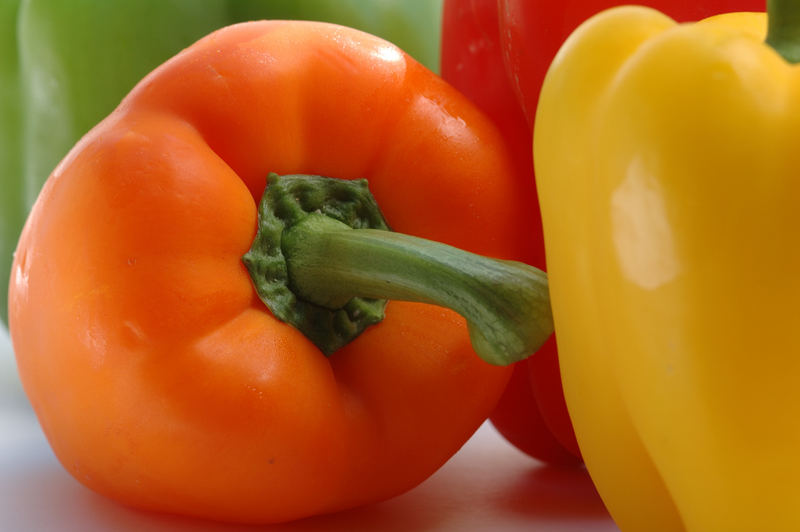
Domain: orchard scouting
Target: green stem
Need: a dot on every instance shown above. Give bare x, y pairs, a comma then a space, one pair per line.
505, 303
783, 28
325, 261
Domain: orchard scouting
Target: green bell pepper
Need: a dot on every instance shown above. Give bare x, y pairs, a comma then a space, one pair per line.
65, 64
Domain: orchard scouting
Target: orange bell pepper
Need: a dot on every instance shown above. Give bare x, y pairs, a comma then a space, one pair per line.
159, 377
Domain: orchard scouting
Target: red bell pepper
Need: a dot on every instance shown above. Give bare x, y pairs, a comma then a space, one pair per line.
497, 52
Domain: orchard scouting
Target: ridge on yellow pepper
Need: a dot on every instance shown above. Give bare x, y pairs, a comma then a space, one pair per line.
668, 172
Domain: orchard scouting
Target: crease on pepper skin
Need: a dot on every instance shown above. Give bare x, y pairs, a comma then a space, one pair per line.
136, 292
690, 392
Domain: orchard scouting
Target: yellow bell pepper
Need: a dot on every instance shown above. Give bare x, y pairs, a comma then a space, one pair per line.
668, 166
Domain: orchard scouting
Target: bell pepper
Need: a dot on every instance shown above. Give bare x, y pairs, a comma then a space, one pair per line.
64, 65
172, 336
667, 169
497, 53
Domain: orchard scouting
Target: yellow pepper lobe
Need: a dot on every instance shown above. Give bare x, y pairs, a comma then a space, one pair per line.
667, 166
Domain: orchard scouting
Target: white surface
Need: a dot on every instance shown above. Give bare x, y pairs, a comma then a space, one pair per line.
487, 486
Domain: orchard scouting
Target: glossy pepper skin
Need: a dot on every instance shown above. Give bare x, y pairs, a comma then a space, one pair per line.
66, 64
497, 53
675, 312
159, 377
532, 413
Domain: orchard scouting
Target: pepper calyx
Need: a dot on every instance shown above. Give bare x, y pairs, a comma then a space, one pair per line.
287, 200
